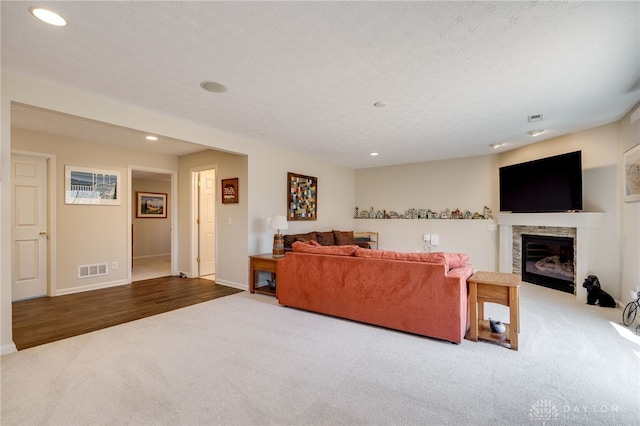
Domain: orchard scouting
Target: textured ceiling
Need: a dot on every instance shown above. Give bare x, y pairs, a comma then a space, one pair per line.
456, 76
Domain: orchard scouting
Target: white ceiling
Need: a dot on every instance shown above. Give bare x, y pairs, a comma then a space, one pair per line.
456, 76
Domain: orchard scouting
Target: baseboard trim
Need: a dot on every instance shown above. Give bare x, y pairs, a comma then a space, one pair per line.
62, 292
8, 349
239, 286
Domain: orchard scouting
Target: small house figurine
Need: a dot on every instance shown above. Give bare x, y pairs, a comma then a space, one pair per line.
487, 213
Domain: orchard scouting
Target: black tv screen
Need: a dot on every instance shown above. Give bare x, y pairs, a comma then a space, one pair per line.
552, 184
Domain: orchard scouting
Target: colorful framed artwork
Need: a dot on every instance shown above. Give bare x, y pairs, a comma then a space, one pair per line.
631, 174
151, 205
88, 185
230, 191
302, 197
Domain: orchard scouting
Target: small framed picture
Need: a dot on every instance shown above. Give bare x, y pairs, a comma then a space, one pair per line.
88, 185
151, 205
230, 191
631, 174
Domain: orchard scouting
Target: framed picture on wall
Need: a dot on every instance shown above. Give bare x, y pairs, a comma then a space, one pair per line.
151, 205
230, 191
302, 197
631, 171
88, 185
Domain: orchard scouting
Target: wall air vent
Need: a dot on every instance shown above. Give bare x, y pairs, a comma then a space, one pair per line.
534, 118
88, 271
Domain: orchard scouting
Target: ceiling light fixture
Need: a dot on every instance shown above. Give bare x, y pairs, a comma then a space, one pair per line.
380, 104
151, 138
47, 16
535, 132
213, 87
374, 154
496, 145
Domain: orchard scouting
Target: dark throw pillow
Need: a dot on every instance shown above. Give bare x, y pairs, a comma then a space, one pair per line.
344, 238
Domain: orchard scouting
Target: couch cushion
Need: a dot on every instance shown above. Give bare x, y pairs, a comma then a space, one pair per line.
344, 250
436, 258
344, 238
292, 238
325, 238
457, 259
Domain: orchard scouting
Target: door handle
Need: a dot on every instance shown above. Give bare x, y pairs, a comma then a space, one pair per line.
43, 234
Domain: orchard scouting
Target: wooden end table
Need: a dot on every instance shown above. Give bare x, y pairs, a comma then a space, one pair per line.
262, 262
494, 287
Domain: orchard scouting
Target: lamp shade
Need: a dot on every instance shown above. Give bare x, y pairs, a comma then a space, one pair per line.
278, 222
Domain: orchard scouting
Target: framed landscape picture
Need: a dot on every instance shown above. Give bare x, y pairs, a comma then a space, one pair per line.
151, 205
631, 174
230, 191
302, 197
88, 185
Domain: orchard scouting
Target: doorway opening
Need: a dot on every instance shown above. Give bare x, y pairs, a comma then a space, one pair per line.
153, 247
204, 229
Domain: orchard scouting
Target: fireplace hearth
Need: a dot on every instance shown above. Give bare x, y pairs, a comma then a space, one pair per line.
548, 261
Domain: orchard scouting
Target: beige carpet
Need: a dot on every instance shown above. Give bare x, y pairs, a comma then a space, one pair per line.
244, 360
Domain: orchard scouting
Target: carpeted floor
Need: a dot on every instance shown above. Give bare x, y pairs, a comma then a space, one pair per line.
243, 360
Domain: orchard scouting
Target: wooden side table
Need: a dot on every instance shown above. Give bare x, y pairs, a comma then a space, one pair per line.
494, 287
262, 262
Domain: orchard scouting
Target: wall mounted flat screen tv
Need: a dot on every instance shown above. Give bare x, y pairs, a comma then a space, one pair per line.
552, 184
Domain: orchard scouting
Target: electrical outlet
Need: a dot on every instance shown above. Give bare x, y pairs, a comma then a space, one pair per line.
426, 238
114, 265
435, 239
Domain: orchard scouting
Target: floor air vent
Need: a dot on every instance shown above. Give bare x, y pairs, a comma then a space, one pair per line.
88, 271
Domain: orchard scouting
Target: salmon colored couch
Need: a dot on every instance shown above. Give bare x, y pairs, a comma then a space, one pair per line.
420, 293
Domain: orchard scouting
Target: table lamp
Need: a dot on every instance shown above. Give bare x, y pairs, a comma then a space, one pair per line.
278, 223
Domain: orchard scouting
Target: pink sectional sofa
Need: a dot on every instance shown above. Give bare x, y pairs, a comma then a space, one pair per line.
421, 293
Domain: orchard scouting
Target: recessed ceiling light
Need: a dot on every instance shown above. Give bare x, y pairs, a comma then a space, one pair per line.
151, 138
212, 86
47, 16
373, 154
380, 104
535, 132
496, 145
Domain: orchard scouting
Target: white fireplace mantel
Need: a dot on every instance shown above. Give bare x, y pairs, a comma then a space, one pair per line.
581, 221
568, 220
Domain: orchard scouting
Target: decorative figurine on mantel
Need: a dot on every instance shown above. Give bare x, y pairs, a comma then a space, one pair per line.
487, 213
372, 213
357, 215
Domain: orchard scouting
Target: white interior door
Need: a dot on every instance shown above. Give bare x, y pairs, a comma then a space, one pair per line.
207, 223
29, 222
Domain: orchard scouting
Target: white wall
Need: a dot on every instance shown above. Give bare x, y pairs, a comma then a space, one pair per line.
465, 184
630, 218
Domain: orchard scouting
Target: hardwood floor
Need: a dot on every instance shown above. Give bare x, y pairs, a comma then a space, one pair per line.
47, 319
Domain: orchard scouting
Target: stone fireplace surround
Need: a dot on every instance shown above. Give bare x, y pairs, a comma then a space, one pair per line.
546, 224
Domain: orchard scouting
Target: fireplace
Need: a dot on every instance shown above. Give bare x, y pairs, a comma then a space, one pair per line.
581, 223
548, 261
